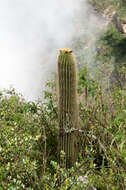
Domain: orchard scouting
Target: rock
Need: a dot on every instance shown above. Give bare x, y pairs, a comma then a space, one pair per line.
124, 28
112, 16
120, 23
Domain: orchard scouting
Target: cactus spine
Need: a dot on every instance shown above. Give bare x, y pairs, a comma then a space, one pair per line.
68, 107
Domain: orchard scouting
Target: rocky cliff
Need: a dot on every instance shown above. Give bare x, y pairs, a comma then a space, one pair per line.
112, 46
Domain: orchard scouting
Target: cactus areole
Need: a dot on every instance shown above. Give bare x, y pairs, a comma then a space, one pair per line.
68, 107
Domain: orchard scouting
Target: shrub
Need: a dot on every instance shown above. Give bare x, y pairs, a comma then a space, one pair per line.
28, 141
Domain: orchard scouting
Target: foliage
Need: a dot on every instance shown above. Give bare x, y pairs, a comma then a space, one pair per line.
111, 56
102, 5
28, 141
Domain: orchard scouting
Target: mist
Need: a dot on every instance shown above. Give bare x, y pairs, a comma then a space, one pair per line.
31, 34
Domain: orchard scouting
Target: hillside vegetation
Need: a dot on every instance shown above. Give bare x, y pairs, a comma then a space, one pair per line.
111, 56
28, 141
29, 130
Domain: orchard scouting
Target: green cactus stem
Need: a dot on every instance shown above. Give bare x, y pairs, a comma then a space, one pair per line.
68, 106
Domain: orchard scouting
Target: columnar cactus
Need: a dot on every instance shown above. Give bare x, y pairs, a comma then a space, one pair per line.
68, 107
